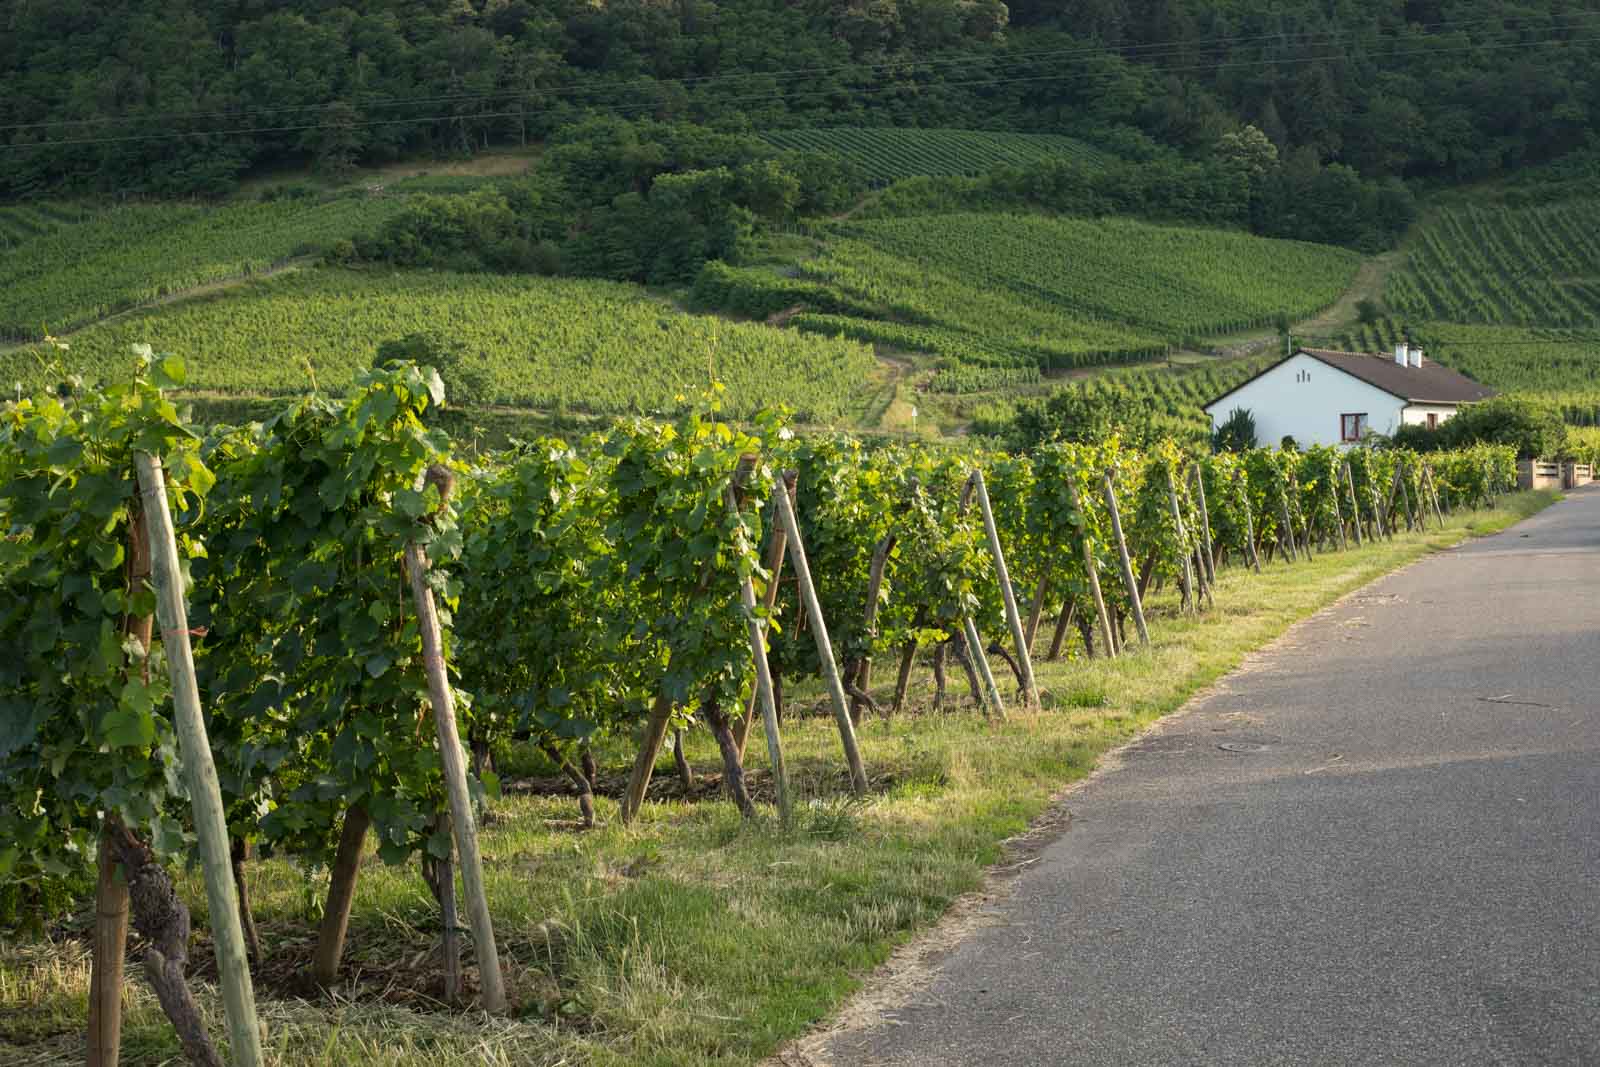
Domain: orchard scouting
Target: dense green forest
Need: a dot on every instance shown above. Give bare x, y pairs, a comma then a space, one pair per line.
178, 96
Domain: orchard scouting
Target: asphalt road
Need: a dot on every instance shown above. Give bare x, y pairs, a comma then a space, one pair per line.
1405, 871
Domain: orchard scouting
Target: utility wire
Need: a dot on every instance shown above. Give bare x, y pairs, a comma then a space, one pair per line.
1146, 52
774, 97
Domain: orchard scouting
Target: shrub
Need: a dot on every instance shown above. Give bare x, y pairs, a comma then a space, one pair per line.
1236, 433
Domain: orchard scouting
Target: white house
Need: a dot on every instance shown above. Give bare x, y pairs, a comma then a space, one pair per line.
1321, 397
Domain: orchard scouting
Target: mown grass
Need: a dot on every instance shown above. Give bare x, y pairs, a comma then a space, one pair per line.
693, 937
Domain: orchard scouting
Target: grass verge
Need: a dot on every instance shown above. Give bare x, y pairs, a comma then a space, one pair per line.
693, 937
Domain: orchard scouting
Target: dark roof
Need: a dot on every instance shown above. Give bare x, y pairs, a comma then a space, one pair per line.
1431, 383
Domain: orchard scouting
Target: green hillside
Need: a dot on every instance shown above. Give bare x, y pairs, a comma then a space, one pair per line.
109, 260
582, 345
1502, 265
996, 290
887, 154
1509, 295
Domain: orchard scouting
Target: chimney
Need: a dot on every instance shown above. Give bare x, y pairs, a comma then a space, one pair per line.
1415, 355
1400, 354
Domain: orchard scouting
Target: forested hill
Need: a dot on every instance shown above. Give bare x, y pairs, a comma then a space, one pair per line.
179, 96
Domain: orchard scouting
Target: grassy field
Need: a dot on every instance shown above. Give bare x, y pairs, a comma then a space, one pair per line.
585, 346
888, 154
692, 938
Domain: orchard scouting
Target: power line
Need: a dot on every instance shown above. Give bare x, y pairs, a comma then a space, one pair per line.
1150, 51
773, 97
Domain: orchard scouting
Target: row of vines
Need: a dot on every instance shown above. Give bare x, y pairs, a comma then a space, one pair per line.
653, 578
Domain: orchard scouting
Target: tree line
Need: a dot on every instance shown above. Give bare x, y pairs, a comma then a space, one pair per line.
180, 97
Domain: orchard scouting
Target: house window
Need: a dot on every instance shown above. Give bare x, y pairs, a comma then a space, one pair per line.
1433, 420
1351, 427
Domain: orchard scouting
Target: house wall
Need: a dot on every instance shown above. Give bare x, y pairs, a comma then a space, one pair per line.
1304, 397
1417, 414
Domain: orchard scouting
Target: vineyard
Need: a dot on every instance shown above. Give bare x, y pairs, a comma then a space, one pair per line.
888, 154
1007, 290
378, 626
586, 346
20, 223
76, 270
1497, 265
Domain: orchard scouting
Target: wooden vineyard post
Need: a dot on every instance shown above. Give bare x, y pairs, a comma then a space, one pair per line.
1128, 580
769, 600
1249, 522
205, 793
1432, 492
819, 628
440, 695
1355, 503
1299, 515
1205, 525
1030, 692
1036, 612
1394, 491
1405, 497
110, 950
860, 685
1069, 612
767, 703
1338, 513
1089, 567
980, 659
1185, 580
1384, 529
1288, 523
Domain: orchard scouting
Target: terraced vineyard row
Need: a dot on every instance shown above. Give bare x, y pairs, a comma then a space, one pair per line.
941, 309
1173, 281
888, 154
23, 222
82, 269
1504, 266
584, 345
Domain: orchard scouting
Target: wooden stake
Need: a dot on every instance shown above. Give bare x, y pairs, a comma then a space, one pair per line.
1089, 567
863, 679
1432, 492
1185, 580
110, 952
1030, 692
491, 984
1249, 521
1376, 501
1036, 612
110, 947
341, 894
1338, 513
1129, 582
1205, 525
980, 659
819, 629
769, 600
1299, 515
1291, 551
763, 695
205, 793
1063, 623
1355, 503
